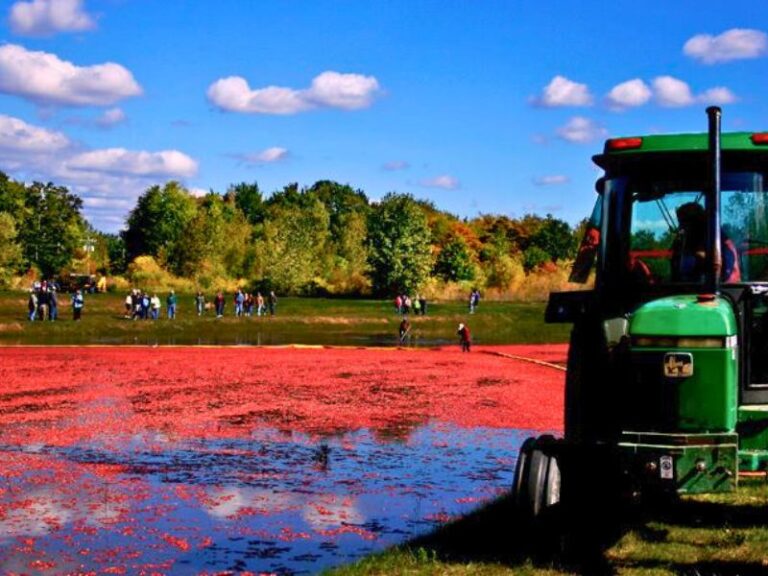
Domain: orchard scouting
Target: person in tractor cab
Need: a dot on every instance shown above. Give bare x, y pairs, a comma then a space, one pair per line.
689, 248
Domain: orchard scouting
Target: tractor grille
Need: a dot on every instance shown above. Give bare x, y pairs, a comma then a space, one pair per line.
650, 400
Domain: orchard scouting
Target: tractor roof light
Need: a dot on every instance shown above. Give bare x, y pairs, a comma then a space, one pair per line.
616, 144
760, 139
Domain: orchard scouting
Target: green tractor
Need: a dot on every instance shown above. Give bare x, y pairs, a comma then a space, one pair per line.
667, 378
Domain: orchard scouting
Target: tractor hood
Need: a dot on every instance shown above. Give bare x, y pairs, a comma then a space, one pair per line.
684, 315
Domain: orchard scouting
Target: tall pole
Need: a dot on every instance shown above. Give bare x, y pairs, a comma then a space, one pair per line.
715, 263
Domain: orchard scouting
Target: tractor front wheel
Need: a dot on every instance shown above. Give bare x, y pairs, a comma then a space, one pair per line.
536, 489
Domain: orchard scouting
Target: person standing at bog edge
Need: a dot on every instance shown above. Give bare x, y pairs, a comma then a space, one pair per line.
465, 339
170, 302
77, 305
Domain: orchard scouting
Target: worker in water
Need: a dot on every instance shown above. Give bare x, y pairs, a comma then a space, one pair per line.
465, 338
405, 329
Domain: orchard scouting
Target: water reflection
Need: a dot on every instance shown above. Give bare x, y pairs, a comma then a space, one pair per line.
276, 501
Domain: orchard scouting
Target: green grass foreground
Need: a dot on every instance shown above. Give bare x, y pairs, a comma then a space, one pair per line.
712, 535
297, 321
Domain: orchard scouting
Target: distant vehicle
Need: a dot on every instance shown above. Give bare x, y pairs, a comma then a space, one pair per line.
85, 282
667, 383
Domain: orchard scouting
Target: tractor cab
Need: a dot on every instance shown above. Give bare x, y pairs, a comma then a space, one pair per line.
667, 380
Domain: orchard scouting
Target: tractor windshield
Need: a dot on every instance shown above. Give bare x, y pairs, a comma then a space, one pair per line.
667, 227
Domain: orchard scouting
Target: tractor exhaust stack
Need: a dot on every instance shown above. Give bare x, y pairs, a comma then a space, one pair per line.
715, 263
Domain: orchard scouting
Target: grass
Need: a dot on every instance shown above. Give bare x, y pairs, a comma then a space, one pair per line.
298, 321
712, 535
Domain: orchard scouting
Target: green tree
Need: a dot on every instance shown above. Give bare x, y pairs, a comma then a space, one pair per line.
250, 200
216, 240
346, 252
289, 196
555, 237
454, 261
157, 224
534, 257
291, 244
399, 245
10, 250
52, 230
12, 198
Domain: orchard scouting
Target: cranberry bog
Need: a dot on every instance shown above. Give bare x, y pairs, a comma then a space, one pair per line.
209, 460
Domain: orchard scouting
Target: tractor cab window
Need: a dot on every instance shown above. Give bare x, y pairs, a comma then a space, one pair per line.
667, 236
744, 218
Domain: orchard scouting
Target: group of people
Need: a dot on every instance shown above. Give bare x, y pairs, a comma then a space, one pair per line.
139, 305
43, 302
245, 303
404, 305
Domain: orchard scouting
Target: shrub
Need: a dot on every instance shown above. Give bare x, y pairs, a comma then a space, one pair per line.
145, 273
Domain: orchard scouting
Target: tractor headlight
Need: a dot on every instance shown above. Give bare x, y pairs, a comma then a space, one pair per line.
615, 329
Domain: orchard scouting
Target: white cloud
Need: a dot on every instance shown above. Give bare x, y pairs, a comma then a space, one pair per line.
108, 180
111, 117
628, 94
668, 91
18, 136
551, 180
328, 90
45, 79
718, 95
47, 17
346, 91
167, 163
564, 92
733, 44
581, 130
671, 92
234, 95
109, 203
268, 156
396, 165
444, 181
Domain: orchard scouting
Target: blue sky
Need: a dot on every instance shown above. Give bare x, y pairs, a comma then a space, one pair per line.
481, 107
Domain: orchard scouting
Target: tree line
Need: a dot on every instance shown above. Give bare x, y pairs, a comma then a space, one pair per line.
328, 238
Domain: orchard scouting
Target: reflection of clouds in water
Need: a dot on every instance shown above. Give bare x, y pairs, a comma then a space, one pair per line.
225, 502
330, 511
103, 514
229, 501
319, 511
40, 512
47, 509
